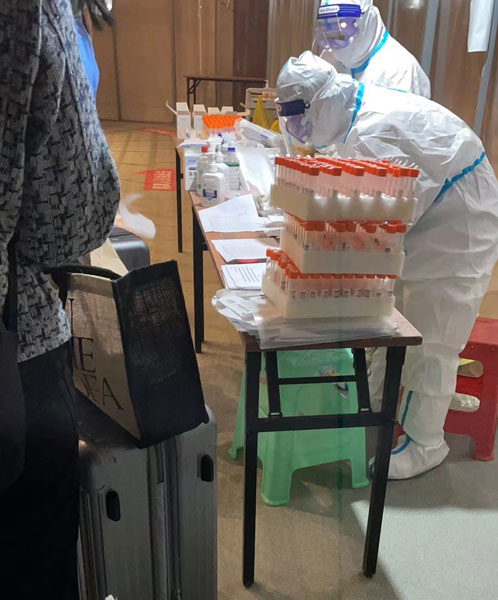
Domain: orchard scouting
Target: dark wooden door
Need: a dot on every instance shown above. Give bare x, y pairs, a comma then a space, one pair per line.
250, 42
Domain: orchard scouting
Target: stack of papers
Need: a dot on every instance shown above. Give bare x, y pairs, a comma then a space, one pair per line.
237, 214
275, 226
243, 277
244, 250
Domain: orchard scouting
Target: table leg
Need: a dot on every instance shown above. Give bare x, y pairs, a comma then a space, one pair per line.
395, 360
360, 368
188, 92
198, 242
179, 225
253, 368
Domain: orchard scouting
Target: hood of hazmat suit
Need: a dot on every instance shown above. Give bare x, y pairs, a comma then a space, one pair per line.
452, 245
373, 56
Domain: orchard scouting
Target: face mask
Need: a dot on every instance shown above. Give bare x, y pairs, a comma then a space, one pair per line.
336, 25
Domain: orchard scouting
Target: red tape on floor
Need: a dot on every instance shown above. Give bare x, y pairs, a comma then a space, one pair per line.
159, 180
166, 132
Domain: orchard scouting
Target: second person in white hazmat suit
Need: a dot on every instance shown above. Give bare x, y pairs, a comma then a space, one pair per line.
366, 51
451, 248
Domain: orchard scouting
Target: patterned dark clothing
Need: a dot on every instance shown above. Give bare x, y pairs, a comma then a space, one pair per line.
58, 183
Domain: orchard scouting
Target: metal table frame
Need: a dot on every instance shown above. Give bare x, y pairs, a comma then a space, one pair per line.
275, 421
385, 420
193, 82
179, 217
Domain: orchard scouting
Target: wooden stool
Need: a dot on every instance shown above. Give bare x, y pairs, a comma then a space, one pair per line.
481, 424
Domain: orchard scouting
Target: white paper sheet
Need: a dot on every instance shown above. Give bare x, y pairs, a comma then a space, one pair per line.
243, 277
235, 215
481, 16
244, 249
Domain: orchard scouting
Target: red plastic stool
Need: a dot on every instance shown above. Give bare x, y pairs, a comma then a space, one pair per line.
481, 424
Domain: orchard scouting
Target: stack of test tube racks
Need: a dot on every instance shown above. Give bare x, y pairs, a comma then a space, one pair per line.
339, 267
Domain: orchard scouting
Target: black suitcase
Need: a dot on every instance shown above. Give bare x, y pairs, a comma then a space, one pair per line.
131, 249
147, 517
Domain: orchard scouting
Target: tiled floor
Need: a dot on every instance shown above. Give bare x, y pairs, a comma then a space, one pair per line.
440, 536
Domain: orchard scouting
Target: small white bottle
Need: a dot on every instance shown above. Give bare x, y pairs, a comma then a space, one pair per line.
202, 165
233, 162
213, 186
220, 163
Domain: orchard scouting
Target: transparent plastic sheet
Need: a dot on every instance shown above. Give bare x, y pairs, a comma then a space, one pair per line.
253, 313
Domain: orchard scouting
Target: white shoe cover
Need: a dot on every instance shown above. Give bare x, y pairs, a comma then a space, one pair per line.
410, 458
464, 403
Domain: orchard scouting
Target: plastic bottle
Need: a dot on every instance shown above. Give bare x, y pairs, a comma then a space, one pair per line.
202, 166
337, 286
222, 166
315, 285
233, 163
292, 286
401, 230
214, 186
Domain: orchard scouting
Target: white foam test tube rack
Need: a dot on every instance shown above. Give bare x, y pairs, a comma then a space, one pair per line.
309, 295
328, 189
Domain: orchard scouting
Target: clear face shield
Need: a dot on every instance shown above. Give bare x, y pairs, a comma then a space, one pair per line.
336, 25
291, 117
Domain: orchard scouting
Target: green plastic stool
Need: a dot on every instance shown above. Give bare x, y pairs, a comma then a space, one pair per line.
283, 452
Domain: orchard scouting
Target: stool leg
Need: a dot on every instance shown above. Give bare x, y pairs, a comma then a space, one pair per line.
395, 360
253, 367
484, 449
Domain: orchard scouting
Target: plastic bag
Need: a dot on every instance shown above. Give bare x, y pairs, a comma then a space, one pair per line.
261, 116
255, 314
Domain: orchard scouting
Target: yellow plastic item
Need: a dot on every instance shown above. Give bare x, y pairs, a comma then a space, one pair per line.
276, 126
261, 116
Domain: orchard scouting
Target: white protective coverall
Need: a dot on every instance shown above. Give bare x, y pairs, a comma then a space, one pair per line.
451, 248
376, 57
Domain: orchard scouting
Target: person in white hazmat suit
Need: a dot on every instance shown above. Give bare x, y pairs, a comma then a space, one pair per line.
353, 38
451, 248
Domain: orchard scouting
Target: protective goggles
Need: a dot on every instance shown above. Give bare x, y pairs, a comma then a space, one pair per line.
291, 115
336, 24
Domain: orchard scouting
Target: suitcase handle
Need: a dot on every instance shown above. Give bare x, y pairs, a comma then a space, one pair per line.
207, 469
113, 506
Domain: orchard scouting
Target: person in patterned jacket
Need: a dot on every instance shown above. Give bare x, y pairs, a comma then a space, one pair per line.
59, 192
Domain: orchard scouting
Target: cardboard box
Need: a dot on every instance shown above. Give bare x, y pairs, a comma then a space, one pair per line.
183, 120
199, 112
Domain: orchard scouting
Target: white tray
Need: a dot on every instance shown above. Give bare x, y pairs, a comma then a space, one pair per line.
323, 261
326, 307
309, 207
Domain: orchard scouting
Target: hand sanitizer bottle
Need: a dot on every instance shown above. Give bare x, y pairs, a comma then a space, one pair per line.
214, 185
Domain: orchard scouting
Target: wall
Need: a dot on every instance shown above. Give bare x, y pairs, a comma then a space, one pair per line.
136, 61
290, 32
144, 58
